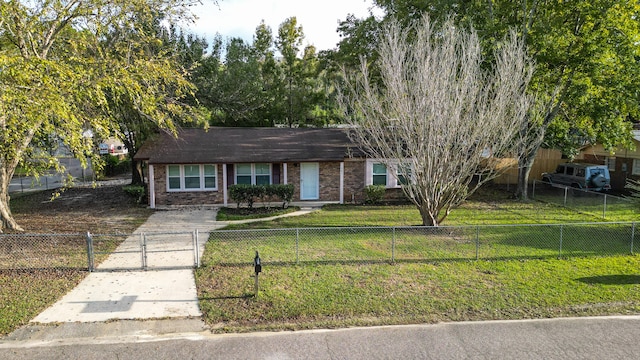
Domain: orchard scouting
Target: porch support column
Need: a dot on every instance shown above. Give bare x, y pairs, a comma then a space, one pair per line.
284, 173
342, 182
152, 187
224, 184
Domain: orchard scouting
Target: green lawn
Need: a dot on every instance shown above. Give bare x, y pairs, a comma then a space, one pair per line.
345, 277
25, 293
487, 208
398, 244
612, 208
340, 295
231, 214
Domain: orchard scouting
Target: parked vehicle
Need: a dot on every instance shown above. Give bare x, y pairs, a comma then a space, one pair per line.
581, 176
112, 148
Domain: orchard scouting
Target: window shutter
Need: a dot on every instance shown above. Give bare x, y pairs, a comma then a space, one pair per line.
230, 175
275, 173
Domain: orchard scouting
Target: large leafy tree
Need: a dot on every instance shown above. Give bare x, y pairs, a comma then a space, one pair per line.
273, 94
586, 54
249, 85
64, 67
177, 55
236, 96
288, 42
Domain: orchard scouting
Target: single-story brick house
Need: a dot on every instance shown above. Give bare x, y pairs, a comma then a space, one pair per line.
197, 167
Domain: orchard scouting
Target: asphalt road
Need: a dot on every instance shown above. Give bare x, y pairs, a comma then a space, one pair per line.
572, 338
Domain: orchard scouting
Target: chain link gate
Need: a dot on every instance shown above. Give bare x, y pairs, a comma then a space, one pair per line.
145, 251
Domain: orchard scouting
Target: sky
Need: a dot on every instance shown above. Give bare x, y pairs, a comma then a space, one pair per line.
239, 18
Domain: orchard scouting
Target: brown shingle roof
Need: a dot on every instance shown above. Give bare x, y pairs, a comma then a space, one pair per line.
238, 145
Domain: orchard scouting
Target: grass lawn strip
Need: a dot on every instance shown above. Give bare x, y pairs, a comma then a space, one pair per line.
231, 214
313, 296
104, 210
472, 212
25, 293
335, 294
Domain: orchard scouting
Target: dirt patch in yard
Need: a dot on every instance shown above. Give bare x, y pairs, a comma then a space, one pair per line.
105, 209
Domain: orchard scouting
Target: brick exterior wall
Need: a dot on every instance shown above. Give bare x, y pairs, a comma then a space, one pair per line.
329, 177
330, 181
165, 198
329, 173
395, 196
354, 178
293, 177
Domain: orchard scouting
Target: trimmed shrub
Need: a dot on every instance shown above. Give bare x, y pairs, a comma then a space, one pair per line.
284, 193
250, 193
137, 192
239, 194
373, 194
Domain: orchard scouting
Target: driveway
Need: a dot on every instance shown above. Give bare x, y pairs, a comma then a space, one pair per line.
169, 292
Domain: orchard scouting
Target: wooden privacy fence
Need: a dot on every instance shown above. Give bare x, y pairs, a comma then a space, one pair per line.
546, 161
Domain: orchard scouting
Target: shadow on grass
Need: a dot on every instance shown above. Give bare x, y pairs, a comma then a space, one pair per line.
612, 279
434, 260
245, 296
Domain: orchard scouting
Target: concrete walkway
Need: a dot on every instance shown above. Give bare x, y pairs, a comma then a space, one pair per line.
169, 291
139, 294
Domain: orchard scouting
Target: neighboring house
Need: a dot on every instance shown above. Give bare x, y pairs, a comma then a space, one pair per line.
197, 167
623, 164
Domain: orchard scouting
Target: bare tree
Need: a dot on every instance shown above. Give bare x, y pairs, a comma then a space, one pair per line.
438, 113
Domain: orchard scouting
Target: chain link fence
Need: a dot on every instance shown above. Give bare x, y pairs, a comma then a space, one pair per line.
43, 251
407, 244
590, 202
317, 245
105, 251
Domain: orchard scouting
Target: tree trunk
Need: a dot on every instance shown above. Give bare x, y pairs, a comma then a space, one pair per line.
8, 222
137, 177
428, 217
525, 163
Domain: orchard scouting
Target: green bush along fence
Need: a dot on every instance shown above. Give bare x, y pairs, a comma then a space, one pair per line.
405, 244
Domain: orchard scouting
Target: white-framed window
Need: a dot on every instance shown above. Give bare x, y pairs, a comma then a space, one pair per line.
611, 163
635, 168
253, 174
379, 174
403, 173
243, 174
174, 177
262, 174
210, 173
192, 177
393, 175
